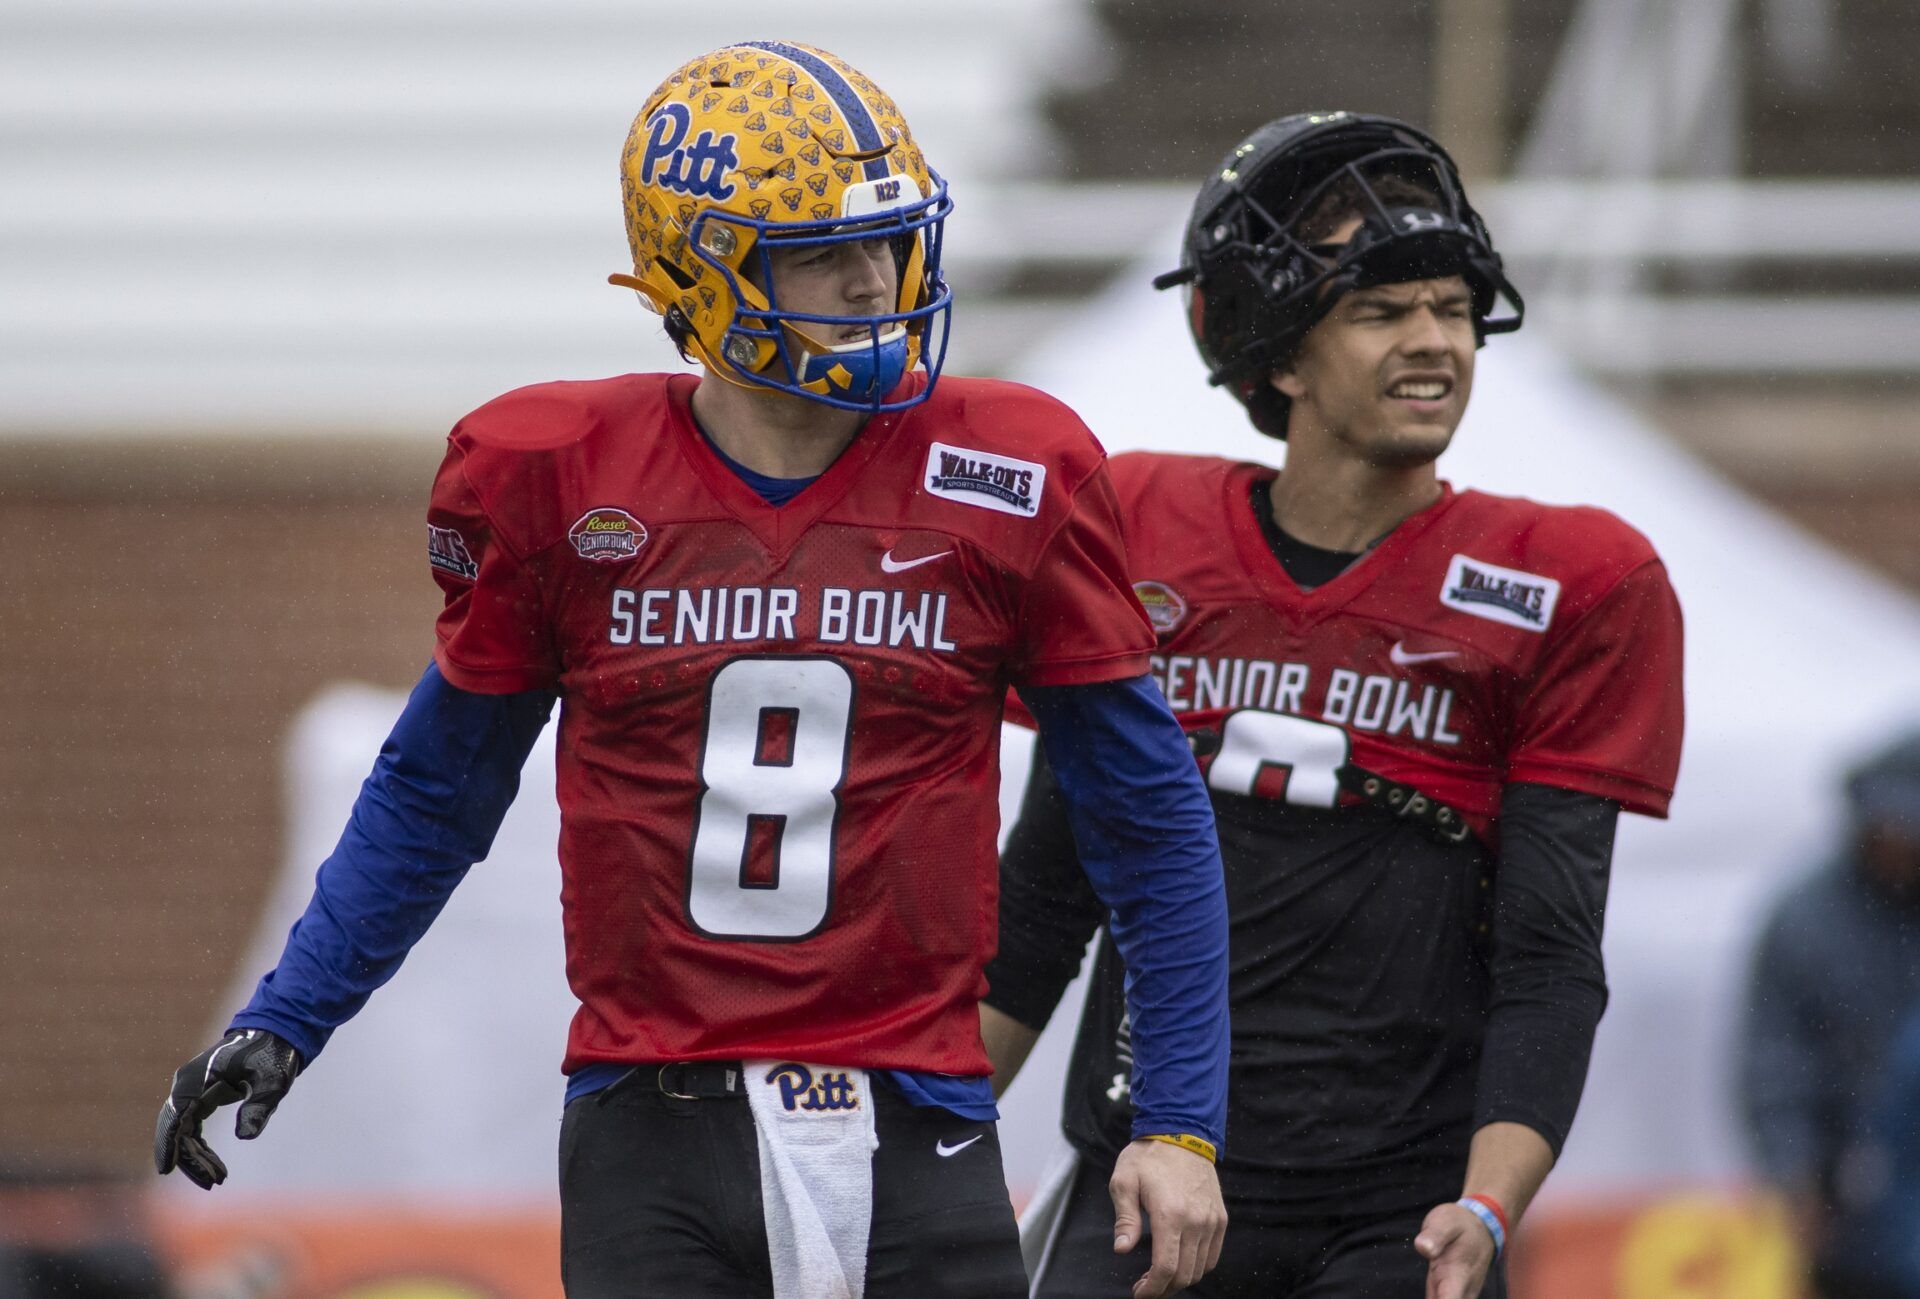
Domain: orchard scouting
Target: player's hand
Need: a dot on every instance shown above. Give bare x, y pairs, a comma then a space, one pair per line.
1458, 1249
249, 1065
1176, 1194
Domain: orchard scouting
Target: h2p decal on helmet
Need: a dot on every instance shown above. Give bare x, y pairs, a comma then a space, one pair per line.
764, 146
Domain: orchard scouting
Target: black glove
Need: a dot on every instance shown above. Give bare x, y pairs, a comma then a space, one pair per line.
249, 1065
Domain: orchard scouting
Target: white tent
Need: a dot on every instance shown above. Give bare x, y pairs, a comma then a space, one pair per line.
447, 1083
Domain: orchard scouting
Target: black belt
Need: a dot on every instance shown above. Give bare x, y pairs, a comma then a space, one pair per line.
1430, 814
687, 1080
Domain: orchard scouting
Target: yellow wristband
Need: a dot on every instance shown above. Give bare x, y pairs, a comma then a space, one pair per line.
1198, 1145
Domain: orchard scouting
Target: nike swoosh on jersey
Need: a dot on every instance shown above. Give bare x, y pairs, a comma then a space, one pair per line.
946, 1151
1402, 659
888, 564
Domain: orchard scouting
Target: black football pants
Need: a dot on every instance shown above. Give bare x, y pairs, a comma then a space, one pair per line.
661, 1197
1369, 1257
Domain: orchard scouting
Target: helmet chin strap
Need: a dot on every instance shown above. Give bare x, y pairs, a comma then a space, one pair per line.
862, 370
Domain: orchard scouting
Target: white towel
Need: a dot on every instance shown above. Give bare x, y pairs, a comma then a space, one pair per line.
816, 1137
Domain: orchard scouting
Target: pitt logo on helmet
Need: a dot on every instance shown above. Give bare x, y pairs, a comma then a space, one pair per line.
768, 146
699, 169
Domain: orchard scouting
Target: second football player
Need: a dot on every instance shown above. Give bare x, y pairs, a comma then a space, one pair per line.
1420, 712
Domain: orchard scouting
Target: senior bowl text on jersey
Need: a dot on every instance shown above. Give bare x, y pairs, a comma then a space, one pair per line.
1487, 640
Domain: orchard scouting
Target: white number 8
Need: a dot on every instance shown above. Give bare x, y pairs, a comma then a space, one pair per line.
1258, 747
771, 764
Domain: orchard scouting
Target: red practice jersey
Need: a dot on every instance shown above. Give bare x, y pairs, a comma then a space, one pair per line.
1486, 640
779, 727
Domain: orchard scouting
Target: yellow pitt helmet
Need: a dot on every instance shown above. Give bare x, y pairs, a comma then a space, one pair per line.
765, 144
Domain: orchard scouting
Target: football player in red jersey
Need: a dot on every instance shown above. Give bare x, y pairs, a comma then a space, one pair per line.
780, 604
1419, 711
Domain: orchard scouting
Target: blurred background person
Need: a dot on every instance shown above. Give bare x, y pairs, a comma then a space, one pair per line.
1894, 1136
1830, 1053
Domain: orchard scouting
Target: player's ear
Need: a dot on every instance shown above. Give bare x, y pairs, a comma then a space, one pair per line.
1287, 382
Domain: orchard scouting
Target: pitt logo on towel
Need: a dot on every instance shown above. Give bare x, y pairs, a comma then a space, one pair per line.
801, 1090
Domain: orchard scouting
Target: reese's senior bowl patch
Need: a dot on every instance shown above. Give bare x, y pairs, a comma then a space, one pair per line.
1165, 608
607, 535
984, 479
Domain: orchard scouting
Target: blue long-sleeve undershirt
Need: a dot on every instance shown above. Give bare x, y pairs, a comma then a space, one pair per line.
447, 773
1143, 826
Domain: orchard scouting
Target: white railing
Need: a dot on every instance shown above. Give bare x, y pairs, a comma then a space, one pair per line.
322, 218
1584, 252
303, 310
365, 215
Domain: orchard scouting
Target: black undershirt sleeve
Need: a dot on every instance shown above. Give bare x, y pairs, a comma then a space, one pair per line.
1048, 910
1549, 985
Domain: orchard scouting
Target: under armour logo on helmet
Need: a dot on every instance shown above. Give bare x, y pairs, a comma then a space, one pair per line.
1414, 220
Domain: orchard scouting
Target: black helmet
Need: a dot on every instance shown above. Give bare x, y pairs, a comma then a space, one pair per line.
1256, 287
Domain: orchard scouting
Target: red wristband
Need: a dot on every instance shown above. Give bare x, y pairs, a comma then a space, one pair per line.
1493, 1207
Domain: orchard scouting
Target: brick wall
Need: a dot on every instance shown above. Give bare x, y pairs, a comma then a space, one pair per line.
167, 610
1838, 456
